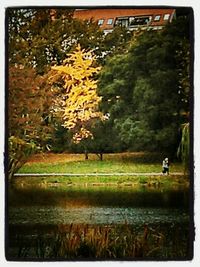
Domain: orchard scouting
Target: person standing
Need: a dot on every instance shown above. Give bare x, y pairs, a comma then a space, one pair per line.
165, 166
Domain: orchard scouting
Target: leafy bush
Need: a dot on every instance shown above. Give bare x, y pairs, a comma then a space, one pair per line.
19, 151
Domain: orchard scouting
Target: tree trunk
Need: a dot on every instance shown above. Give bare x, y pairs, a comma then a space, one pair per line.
100, 156
86, 154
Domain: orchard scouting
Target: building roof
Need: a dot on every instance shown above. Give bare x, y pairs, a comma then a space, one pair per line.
106, 18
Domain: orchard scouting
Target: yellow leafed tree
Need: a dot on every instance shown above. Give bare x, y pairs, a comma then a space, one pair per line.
81, 100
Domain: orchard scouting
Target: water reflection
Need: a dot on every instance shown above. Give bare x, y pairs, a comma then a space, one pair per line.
36, 212
99, 196
95, 215
96, 205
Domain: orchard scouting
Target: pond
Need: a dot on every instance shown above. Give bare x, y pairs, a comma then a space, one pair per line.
36, 210
95, 215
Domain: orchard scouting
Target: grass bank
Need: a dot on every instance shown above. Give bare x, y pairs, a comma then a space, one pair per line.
112, 163
110, 181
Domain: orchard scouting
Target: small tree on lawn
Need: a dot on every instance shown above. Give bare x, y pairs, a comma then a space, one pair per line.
77, 101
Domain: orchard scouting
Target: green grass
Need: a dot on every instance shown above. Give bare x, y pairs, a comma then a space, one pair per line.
106, 181
95, 166
88, 167
113, 163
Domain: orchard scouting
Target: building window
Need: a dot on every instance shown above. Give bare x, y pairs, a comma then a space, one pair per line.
157, 18
123, 22
166, 16
109, 21
135, 21
100, 22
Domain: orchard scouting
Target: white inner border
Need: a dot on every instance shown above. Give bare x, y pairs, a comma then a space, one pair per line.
195, 4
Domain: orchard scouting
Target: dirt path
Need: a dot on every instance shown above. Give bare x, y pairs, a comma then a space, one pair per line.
97, 174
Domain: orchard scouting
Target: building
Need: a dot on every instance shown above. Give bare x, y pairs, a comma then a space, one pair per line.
133, 19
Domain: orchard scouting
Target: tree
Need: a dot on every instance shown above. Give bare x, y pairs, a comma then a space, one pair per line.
78, 104
141, 89
105, 140
41, 37
29, 116
184, 146
115, 42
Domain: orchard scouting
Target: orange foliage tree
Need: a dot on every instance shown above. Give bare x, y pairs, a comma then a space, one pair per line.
29, 105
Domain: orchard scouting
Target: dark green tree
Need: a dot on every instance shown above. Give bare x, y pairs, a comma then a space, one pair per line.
105, 140
145, 91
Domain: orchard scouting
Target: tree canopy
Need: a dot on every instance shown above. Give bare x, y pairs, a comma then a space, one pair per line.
78, 104
145, 91
42, 37
143, 87
29, 115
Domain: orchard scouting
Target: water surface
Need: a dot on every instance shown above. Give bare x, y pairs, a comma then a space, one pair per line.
95, 215
102, 205
36, 215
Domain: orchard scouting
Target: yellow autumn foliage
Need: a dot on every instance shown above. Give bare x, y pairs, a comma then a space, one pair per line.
82, 101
